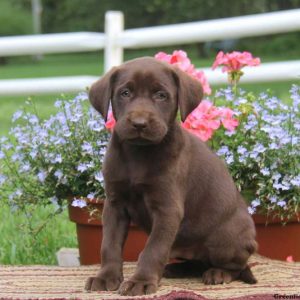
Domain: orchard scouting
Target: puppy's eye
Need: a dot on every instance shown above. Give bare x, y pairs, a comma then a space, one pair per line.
160, 96
125, 93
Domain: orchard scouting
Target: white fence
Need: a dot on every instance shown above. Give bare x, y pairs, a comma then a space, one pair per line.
116, 39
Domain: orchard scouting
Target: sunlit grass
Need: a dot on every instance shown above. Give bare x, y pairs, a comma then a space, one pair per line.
19, 247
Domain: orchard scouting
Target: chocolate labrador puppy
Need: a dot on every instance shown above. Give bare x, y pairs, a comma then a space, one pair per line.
168, 182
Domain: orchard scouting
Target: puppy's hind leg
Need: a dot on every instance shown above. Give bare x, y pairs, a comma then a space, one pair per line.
227, 268
185, 269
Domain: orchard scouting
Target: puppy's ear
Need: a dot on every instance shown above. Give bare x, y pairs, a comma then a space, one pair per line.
101, 92
189, 93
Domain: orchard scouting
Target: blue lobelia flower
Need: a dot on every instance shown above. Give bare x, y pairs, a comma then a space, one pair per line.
82, 167
2, 154
296, 181
273, 199
223, 151
251, 210
2, 179
17, 115
229, 159
58, 174
99, 177
281, 203
265, 171
26, 167
255, 202
91, 195
79, 203
42, 176
87, 148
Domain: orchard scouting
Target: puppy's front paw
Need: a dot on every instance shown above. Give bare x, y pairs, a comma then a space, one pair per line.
101, 283
137, 288
217, 276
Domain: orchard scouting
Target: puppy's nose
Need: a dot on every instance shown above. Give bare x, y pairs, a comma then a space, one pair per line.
139, 123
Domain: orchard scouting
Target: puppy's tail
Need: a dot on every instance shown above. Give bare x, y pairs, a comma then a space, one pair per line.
247, 276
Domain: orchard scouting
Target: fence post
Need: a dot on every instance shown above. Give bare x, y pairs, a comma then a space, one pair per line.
113, 52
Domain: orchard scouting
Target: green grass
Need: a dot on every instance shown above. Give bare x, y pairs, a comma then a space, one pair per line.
16, 246
53, 65
19, 247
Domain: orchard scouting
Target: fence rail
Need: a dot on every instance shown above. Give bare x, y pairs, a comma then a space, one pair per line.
281, 71
116, 39
212, 30
51, 43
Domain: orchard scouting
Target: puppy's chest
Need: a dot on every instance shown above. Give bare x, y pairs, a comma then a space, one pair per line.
138, 173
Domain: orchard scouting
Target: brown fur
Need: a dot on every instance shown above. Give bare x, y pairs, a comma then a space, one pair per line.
167, 181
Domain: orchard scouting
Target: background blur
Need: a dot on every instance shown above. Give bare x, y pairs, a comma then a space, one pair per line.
88, 15
76, 15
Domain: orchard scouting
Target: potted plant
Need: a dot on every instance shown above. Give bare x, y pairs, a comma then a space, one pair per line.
258, 137
263, 156
58, 161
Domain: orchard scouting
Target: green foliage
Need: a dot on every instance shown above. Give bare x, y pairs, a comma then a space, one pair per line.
66, 14
280, 45
47, 162
14, 18
19, 246
263, 153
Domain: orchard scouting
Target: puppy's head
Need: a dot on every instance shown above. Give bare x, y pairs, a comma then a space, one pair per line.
145, 94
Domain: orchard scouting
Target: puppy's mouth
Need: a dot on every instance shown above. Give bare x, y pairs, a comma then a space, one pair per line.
139, 141
151, 135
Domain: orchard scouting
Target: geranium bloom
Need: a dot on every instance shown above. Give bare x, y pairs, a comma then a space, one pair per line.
202, 121
199, 128
227, 119
235, 61
111, 122
179, 58
207, 118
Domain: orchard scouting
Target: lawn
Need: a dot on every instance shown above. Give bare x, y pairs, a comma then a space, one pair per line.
17, 247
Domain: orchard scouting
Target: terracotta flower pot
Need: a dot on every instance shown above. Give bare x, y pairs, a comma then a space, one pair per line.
275, 240
89, 235
278, 241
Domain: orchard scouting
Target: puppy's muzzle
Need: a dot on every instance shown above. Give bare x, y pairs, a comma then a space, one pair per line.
139, 123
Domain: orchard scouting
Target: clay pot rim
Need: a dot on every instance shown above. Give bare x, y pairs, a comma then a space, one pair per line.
74, 217
258, 218
271, 219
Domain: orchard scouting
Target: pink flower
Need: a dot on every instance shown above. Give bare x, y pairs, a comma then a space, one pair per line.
201, 130
180, 59
203, 120
290, 259
235, 61
164, 57
111, 122
206, 118
227, 119
200, 76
